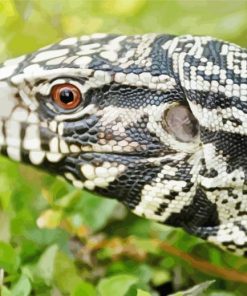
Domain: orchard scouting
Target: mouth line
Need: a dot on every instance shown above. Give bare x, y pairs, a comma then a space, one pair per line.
7, 143
80, 154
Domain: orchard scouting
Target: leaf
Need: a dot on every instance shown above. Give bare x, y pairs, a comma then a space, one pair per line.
94, 210
44, 237
49, 219
160, 276
65, 268
195, 291
123, 7
9, 260
22, 287
85, 289
142, 293
146, 244
24, 8
222, 293
45, 266
116, 285
5, 227
69, 199
4, 291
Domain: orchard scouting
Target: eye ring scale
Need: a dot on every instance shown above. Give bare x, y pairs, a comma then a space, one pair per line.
66, 96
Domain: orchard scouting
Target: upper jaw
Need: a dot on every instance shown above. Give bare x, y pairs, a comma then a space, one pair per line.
20, 128
9, 129
8, 100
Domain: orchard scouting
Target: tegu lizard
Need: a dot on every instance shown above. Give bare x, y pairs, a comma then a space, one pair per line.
158, 122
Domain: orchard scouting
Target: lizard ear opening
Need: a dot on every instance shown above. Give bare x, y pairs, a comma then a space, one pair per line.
181, 123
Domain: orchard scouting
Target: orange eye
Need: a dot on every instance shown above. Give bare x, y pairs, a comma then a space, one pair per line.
66, 96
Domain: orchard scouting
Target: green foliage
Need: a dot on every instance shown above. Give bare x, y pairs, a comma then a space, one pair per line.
55, 240
117, 285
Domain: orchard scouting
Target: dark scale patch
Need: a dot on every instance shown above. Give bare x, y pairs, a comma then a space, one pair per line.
238, 204
128, 186
212, 52
162, 208
234, 121
70, 164
125, 96
239, 104
184, 171
211, 173
182, 174
209, 99
150, 142
45, 136
161, 63
204, 232
133, 69
200, 213
98, 63
128, 44
80, 126
83, 131
232, 146
60, 167
190, 61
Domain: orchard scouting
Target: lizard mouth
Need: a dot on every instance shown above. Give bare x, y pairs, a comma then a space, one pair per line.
34, 142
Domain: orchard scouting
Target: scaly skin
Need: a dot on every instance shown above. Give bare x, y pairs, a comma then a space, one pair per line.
162, 126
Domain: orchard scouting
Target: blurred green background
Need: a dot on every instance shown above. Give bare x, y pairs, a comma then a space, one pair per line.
55, 240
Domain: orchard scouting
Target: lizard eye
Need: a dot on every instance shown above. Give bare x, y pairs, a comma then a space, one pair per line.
66, 96
180, 122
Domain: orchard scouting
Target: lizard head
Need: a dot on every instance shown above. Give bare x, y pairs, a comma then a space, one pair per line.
135, 118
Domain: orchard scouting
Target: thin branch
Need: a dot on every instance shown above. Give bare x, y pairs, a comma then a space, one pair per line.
197, 263
205, 266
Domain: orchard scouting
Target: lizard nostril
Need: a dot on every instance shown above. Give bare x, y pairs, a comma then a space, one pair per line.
179, 121
66, 96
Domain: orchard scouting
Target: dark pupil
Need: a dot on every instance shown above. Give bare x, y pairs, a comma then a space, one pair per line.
66, 96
